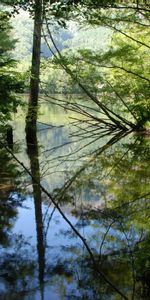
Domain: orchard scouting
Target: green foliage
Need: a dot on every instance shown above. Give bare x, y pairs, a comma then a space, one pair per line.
10, 83
55, 80
120, 75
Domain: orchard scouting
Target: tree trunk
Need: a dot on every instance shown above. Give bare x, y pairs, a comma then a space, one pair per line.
35, 72
35, 69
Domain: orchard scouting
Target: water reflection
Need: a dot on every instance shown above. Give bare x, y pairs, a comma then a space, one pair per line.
9, 200
32, 150
103, 190
15, 262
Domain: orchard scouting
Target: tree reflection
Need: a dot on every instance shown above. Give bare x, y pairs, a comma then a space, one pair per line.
8, 202
118, 210
32, 150
106, 199
16, 261
17, 268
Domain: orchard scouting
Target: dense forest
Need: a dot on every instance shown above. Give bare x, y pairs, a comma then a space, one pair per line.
74, 149
102, 54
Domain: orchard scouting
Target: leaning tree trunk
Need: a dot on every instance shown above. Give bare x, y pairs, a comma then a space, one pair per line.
35, 69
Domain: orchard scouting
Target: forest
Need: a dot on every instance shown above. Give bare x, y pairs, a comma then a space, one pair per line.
74, 149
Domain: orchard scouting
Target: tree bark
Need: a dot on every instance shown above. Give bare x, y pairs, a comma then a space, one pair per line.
36, 53
31, 117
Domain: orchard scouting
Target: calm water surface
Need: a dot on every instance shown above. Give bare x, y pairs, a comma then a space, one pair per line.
102, 187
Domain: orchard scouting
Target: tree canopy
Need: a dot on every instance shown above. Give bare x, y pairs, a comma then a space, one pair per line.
10, 83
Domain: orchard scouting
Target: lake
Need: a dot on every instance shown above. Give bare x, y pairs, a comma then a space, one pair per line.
75, 214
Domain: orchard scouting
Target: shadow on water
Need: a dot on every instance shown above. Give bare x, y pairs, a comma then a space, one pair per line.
102, 187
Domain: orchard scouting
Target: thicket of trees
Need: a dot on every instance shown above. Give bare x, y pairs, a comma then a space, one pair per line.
10, 80
116, 81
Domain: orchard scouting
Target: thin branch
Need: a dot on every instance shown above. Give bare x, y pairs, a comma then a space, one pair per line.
109, 113
100, 272
128, 36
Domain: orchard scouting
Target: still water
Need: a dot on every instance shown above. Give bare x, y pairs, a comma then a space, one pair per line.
95, 242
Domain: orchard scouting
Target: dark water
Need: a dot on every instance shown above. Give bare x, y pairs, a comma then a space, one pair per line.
101, 185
